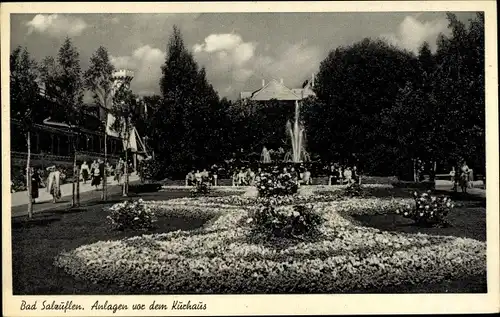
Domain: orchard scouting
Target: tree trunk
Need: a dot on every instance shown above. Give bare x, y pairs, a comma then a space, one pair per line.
105, 177
125, 170
414, 171
125, 185
75, 177
28, 177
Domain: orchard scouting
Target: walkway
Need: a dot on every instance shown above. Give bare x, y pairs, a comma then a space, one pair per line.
477, 190
44, 202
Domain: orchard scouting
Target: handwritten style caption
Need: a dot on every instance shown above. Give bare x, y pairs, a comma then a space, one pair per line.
68, 306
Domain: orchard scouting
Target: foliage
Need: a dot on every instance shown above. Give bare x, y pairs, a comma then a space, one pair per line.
428, 209
390, 107
187, 125
135, 215
354, 190
99, 80
63, 83
285, 221
150, 169
24, 89
353, 86
201, 188
281, 184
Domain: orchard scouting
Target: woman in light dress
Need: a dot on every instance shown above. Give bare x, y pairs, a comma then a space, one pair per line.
85, 172
54, 183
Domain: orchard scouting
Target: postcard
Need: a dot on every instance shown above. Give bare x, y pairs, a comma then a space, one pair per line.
249, 158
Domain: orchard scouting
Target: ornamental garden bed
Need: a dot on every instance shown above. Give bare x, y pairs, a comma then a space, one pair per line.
348, 254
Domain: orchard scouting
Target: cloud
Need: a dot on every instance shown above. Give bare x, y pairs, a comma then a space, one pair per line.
412, 33
56, 25
233, 64
146, 62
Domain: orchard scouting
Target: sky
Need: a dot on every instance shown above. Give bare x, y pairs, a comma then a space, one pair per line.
238, 50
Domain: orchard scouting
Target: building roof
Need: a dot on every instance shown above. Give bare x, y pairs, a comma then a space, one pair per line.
273, 90
277, 90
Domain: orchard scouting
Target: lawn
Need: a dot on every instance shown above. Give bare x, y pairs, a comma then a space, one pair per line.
194, 233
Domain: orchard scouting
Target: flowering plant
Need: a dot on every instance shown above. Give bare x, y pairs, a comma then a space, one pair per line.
428, 209
282, 184
285, 221
201, 188
135, 215
353, 190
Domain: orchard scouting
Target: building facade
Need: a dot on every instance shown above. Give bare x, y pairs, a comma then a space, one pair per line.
52, 139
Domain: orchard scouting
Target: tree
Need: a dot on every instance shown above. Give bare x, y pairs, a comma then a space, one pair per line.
24, 96
63, 83
460, 92
99, 80
354, 85
126, 110
186, 122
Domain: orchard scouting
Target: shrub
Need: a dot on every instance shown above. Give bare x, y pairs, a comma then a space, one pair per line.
428, 209
144, 188
285, 221
149, 170
201, 188
135, 215
428, 185
354, 190
282, 184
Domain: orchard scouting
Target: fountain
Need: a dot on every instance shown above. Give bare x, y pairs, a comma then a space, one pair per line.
265, 157
296, 133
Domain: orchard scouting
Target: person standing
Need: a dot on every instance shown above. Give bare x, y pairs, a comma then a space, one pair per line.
331, 175
36, 181
464, 177
54, 183
190, 179
85, 172
119, 171
96, 175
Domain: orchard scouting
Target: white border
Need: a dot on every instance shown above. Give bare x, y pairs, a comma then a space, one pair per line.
276, 304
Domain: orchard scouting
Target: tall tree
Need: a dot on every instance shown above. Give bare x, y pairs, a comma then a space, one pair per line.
99, 80
460, 91
184, 124
24, 97
353, 86
63, 83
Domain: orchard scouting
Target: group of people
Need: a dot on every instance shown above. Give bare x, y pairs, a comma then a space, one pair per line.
339, 175
247, 177
193, 178
94, 172
52, 185
98, 169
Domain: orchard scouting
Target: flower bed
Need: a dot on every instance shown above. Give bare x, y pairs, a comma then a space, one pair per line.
227, 257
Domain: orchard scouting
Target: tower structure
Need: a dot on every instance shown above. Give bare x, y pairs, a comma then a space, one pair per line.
121, 80
122, 77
